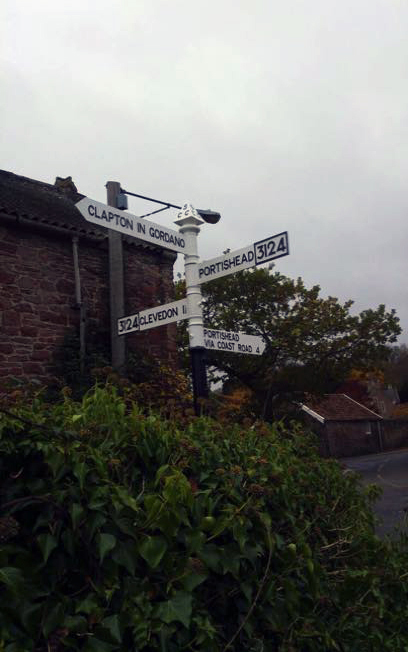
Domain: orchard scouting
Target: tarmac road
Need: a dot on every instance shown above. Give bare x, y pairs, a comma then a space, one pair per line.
389, 471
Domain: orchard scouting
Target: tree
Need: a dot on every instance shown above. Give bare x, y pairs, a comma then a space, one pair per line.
312, 343
396, 370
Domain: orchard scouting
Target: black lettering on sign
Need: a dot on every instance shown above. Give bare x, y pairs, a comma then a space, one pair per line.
271, 248
128, 324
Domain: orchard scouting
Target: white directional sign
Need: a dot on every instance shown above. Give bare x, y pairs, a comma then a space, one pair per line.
233, 342
255, 254
153, 317
131, 225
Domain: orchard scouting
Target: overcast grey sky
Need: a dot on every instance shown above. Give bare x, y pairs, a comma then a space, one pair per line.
282, 115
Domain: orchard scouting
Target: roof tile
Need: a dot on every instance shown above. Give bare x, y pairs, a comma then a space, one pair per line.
340, 407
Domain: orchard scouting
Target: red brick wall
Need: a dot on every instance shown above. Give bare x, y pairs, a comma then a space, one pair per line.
37, 297
146, 286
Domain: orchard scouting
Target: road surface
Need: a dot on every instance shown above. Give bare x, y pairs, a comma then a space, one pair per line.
390, 472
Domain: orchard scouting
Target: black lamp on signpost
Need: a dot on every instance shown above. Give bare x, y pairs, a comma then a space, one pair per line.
211, 217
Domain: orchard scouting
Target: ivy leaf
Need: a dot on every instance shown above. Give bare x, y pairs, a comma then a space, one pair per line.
94, 521
53, 618
87, 606
11, 577
80, 471
112, 624
192, 580
107, 543
30, 616
55, 461
77, 512
47, 544
153, 506
178, 608
152, 550
211, 554
77, 624
125, 556
96, 645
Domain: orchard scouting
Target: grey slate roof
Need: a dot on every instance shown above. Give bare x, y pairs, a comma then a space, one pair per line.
43, 203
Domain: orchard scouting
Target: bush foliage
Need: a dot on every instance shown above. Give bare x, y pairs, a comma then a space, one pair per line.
120, 531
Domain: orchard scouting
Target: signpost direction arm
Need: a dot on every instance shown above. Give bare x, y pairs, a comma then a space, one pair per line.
189, 224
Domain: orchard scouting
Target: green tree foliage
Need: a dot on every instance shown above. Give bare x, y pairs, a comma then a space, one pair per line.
121, 532
312, 343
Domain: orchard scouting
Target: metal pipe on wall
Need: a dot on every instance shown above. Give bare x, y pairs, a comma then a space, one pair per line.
80, 305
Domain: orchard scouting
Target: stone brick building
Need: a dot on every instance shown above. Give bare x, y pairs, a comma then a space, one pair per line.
54, 274
345, 427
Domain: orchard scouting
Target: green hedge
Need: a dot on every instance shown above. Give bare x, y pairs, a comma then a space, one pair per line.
122, 532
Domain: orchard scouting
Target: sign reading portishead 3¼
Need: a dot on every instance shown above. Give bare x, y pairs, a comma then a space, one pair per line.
131, 225
152, 317
255, 254
233, 342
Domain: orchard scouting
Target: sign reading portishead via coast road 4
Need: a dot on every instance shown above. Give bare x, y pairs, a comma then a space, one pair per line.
233, 342
255, 254
131, 225
152, 317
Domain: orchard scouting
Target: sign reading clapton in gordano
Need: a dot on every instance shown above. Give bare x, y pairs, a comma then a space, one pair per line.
215, 340
258, 253
152, 317
131, 225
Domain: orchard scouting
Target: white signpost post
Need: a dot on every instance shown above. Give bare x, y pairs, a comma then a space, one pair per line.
185, 241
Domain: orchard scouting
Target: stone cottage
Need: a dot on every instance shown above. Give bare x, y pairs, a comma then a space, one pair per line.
54, 279
345, 427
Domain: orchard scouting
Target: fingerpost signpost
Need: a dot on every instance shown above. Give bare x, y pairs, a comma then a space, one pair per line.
185, 241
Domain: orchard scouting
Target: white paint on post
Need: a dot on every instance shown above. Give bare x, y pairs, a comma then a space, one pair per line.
189, 223
216, 340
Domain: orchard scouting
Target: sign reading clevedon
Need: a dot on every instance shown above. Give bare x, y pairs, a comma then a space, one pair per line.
260, 252
215, 340
131, 225
153, 317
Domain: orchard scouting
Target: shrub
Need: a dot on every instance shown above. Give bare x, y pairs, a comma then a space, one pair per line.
120, 531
